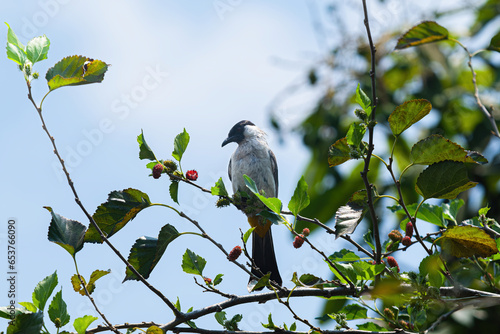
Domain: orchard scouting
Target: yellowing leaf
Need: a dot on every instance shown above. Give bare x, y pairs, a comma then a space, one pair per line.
467, 241
425, 32
339, 153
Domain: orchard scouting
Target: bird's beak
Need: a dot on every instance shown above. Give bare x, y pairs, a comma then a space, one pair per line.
227, 141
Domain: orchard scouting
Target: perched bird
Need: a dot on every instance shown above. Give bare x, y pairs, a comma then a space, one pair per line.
254, 158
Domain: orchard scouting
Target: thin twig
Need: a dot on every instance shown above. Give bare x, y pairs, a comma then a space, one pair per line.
89, 216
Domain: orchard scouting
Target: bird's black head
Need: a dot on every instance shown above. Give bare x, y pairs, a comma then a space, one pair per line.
236, 134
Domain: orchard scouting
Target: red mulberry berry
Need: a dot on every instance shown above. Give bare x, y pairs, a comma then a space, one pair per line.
406, 241
299, 240
409, 229
234, 253
395, 235
306, 232
192, 175
157, 170
392, 262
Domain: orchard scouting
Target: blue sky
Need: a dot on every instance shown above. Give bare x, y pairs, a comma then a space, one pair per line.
199, 65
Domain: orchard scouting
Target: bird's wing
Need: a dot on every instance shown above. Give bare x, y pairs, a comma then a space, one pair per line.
229, 169
274, 166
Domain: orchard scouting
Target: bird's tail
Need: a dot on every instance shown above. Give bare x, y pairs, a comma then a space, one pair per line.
263, 256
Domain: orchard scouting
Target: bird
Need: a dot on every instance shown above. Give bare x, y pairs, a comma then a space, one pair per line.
254, 158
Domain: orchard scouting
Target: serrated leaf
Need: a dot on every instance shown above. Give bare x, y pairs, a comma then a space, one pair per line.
181, 142
77, 285
255, 285
371, 327
425, 32
367, 271
29, 306
339, 153
432, 266
407, 114
145, 151
5, 312
16, 51
146, 252
121, 207
66, 233
354, 311
355, 134
173, 190
43, 290
344, 255
308, 280
75, 71
347, 270
436, 148
219, 189
427, 212
274, 204
467, 241
26, 323
37, 49
192, 263
495, 43
220, 317
444, 179
300, 199
81, 324
58, 310
96, 274
363, 100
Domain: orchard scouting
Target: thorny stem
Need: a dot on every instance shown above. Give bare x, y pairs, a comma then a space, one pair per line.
90, 218
366, 169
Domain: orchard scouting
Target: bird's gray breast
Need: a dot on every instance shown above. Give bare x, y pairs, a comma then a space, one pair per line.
254, 160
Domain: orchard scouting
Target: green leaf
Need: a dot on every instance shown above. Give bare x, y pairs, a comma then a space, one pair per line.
121, 207
371, 327
16, 51
74, 71
432, 266
26, 323
180, 144
354, 311
339, 153
495, 43
425, 32
344, 255
218, 279
220, 317
37, 49
192, 263
81, 324
248, 234
173, 190
29, 306
427, 212
367, 271
443, 180
219, 189
270, 324
58, 310
436, 148
145, 151
43, 290
467, 241
96, 274
261, 283
154, 330
66, 233
484, 211
300, 199
348, 270
450, 210
308, 280
407, 114
146, 252
355, 134
350, 215
363, 100
5, 311
274, 204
